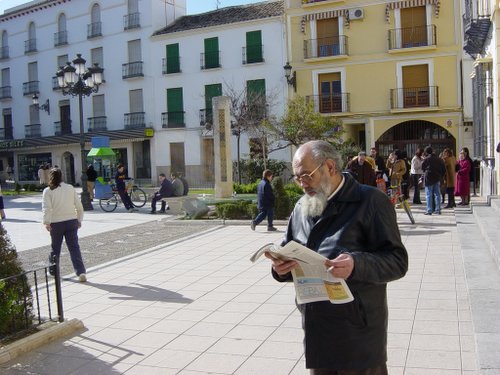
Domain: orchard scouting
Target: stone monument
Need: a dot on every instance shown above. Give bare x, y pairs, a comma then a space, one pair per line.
222, 147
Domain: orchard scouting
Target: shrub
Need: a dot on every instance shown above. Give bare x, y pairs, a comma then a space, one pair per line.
246, 188
294, 193
282, 206
241, 209
15, 294
251, 169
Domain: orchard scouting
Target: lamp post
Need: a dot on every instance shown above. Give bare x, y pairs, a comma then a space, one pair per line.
75, 80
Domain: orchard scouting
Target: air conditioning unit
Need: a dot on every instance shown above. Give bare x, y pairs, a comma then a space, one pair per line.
356, 14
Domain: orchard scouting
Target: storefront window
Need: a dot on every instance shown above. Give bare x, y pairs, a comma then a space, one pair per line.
28, 165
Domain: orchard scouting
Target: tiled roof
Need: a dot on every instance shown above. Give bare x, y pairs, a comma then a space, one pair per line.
239, 13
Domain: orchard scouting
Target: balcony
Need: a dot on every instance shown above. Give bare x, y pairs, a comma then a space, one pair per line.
62, 127
476, 21
133, 69
173, 120
252, 54
33, 131
412, 37
170, 66
30, 88
29, 46
134, 120
94, 30
332, 103
55, 84
210, 60
131, 21
5, 92
324, 47
60, 38
4, 52
6, 133
97, 124
206, 118
414, 97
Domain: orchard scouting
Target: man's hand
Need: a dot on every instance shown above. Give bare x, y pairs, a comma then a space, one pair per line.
341, 267
48, 227
281, 267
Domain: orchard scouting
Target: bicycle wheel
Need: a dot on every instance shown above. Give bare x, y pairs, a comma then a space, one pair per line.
138, 197
406, 206
109, 203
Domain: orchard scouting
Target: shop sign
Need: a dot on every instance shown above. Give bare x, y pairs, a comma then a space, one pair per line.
12, 144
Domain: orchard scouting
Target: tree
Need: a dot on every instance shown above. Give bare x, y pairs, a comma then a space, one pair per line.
302, 123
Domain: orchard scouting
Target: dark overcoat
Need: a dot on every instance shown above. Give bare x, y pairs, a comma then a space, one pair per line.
361, 221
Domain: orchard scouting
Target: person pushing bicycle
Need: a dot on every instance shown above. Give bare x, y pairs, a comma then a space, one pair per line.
120, 178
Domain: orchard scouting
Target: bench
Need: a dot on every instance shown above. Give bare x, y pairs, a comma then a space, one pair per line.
175, 204
193, 207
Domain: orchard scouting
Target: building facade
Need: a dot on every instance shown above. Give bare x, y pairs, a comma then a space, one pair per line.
390, 70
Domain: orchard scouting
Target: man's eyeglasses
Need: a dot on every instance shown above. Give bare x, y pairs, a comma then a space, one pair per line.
306, 177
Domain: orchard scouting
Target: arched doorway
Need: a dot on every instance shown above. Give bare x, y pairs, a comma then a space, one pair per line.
68, 168
410, 135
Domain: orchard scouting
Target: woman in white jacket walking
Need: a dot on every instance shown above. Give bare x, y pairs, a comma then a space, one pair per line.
62, 216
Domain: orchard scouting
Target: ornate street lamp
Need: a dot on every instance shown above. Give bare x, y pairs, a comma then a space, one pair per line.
75, 80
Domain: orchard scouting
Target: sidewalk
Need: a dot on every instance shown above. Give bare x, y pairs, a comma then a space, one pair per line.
199, 306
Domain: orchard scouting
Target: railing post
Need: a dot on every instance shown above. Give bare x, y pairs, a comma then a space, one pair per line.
57, 282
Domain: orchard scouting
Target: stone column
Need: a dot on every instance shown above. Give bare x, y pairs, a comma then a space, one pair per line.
222, 147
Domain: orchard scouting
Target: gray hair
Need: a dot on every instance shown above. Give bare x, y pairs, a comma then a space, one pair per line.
322, 150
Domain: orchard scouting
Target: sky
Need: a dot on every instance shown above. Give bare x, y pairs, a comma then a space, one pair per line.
193, 6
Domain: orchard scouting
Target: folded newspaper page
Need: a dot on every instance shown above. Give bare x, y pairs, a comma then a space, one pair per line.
311, 279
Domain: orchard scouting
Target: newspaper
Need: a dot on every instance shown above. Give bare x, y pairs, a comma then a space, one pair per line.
311, 278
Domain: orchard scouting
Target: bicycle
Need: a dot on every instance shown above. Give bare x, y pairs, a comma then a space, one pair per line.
111, 199
395, 196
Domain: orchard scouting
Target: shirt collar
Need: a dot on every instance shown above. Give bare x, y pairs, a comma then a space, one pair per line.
338, 188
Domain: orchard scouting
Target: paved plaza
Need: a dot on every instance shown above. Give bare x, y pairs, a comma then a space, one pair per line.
197, 305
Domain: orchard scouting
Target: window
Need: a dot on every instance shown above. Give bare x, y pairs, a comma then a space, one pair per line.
415, 85
211, 91
5, 89
134, 66
4, 49
131, 19
98, 109
94, 28
173, 59
177, 160
135, 119
61, 37
328, 37
31, 87
175, 108
253, 47
413, 30
8, 131
211, 57
330, 97
30, 44
96, 56
256, 99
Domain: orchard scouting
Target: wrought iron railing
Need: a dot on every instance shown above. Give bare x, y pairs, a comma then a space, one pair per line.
94, 30
98, 123
410, 37
33, 131
173, 119
4, 52
253, 54
5, 92
62, 127
411, 97
335, 45
171, 65
210, 60
31, 87
60, 38
331, 103
132, 69
30, 45
134, 120
131, 21
206, 118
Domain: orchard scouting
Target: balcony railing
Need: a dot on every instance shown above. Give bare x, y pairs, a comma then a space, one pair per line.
134, 120
410, 37
132, 69
33, 131
477, 24
206, 118
62, 127
328, 46
131, 21
30, 46
171, 65
414, 97
97, 124
210, 60
5, 92
332, 103
252, 54
4, 52
94, 30
60, 38
312, 1
55, 84
31, 87
173, 119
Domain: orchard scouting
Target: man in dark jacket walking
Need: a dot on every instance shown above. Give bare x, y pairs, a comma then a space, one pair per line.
265, 201
166, 190
354, 226
434, 171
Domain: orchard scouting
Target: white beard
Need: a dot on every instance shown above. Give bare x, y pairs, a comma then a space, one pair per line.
313, 206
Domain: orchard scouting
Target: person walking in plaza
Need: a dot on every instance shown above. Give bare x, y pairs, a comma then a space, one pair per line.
166, 190
397, 167
120, 178
450, 163
434, 171
354, 226
362, 170
462, 186
416, 172
265, 202
91, 177
62, 216
472, 179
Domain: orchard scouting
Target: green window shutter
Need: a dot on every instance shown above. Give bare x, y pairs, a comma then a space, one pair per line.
212, 53
175, 107
173, 58
256, 98
254, 47
211, 91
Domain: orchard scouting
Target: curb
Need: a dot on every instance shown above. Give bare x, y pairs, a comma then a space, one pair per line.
38, 339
